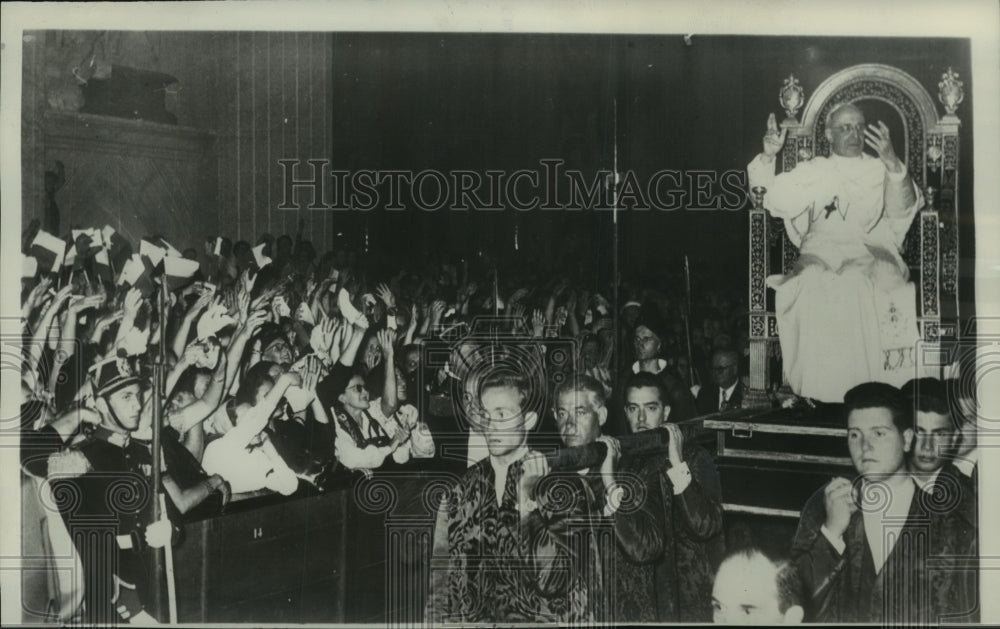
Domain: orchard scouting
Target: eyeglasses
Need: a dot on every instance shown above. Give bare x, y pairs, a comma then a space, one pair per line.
483, 418
722, 368
844, 129
356, 387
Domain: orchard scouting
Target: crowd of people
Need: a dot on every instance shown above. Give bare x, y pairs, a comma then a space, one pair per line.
281, 370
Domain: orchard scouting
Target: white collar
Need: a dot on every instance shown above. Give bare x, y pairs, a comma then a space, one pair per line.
898, 502
928, 483
966, 464
729, 391
850, 160
845, 158
661, 364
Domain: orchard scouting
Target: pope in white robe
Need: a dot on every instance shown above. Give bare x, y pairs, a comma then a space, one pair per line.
848, 214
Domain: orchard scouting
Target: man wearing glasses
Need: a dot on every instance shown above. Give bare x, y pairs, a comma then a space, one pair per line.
726, 391
848, 214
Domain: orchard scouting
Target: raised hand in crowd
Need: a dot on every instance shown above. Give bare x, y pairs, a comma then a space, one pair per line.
205, 297
102, 324
186, 418
244, 332
34, 299
241, 309
390, 401
353, 341
45, 326
517, 312
67, 323
130, 339
311, 372
323, 339
537, 324
603, 376
425, 319
386, 339
437, 312
202, 354
264, 300
244, 284
517, 296
382, 292
411, 328
561, 316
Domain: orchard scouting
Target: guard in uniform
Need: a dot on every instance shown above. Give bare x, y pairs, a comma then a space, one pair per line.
102, 486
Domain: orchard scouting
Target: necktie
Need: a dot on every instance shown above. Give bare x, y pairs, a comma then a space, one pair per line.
723, 403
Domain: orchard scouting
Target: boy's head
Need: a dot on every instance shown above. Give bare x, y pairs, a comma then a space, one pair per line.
936, 433
879, 428
507, 417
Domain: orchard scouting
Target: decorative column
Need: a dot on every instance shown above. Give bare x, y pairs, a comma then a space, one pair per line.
756, 397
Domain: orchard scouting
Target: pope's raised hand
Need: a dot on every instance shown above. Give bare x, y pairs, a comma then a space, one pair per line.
877, 138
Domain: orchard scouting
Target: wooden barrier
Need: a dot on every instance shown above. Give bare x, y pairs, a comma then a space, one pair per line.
357, 553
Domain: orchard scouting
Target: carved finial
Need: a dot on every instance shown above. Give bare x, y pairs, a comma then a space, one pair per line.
950, 91
934, 154
758, 197
791, 97
929, 193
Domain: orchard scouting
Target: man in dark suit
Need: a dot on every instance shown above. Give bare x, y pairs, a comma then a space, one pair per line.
936, 439
726, 390
685, 496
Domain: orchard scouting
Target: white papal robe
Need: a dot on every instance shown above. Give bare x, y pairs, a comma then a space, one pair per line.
829, 307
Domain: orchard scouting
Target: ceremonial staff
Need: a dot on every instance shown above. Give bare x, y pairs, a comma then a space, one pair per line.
159, 502
687, 319
614, 234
